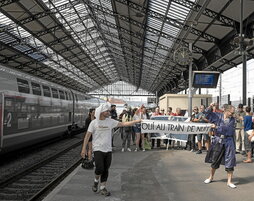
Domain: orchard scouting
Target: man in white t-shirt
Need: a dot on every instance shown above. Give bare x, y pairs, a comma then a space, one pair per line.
101, 129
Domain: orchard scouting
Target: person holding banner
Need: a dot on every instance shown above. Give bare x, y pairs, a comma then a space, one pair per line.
200, 117
191, 138
222, 150
137, 129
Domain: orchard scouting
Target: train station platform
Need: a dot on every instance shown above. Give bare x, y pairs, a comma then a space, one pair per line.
158, 174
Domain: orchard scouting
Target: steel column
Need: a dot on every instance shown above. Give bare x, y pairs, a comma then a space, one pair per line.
190, 86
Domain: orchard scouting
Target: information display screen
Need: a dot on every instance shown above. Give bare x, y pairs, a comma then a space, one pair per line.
205, 79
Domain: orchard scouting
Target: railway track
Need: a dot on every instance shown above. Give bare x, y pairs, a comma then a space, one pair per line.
33, 182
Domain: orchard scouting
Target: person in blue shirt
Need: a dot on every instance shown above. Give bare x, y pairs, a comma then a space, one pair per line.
222, 150
247, 126
200, 118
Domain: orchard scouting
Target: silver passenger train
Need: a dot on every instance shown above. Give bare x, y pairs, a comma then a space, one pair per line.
33, 110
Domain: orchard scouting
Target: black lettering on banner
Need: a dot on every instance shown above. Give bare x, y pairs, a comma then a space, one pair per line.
144, 126
170, 127
199, 129
152, 128
192, 128
180, 128
207, 129
203, 129
160, 127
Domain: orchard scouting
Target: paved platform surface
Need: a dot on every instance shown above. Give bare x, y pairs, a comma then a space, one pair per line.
158, 175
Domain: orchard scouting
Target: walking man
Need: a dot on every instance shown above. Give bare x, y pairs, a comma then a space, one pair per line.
101, 130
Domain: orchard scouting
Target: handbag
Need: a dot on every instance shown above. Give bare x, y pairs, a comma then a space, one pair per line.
147, 145
87, 164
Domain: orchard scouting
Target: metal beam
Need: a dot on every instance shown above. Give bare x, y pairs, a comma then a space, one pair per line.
27, 65
7, 2
168, 20
56, 20
226, 21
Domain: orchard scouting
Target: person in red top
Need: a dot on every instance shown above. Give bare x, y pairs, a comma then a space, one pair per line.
170, 111
163, 112
157, 112
178, 112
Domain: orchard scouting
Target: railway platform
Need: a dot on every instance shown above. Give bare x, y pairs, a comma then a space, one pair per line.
158, 174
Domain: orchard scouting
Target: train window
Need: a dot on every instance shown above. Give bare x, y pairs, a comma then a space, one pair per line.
80, 97
46, 91
36, 88
66, 95
23, 86
61, 94
55, 93
70, 96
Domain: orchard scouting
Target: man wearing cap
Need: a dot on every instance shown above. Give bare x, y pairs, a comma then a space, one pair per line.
101, 130
239, 131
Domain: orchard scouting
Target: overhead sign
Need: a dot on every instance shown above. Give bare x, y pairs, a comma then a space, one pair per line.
205, 79
173, 127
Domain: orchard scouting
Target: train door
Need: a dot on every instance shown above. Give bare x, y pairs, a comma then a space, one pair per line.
73, 107
1, 119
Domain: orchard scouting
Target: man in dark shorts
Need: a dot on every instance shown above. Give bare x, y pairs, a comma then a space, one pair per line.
101, 130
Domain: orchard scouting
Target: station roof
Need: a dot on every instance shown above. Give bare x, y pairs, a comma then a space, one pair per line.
88, 44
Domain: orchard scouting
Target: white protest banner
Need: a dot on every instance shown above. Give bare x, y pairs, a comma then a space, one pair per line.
174, 127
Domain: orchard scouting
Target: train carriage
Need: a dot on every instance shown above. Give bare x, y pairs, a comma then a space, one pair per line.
33, 110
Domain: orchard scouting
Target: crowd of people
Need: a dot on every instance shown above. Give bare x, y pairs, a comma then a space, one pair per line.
227, 137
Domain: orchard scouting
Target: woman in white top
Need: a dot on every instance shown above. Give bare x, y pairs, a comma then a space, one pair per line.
144, 115
137, 128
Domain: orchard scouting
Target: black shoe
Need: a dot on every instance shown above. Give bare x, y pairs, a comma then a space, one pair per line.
199, 152
95, 186
105, 192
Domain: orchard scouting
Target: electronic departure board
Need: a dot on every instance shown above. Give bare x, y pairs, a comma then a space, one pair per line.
205, 79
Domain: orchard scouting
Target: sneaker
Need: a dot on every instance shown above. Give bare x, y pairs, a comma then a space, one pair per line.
136, 149
128, 149
208, 181
144, 150
95, 186
122, 149
105, 192
231, 185
199, 152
